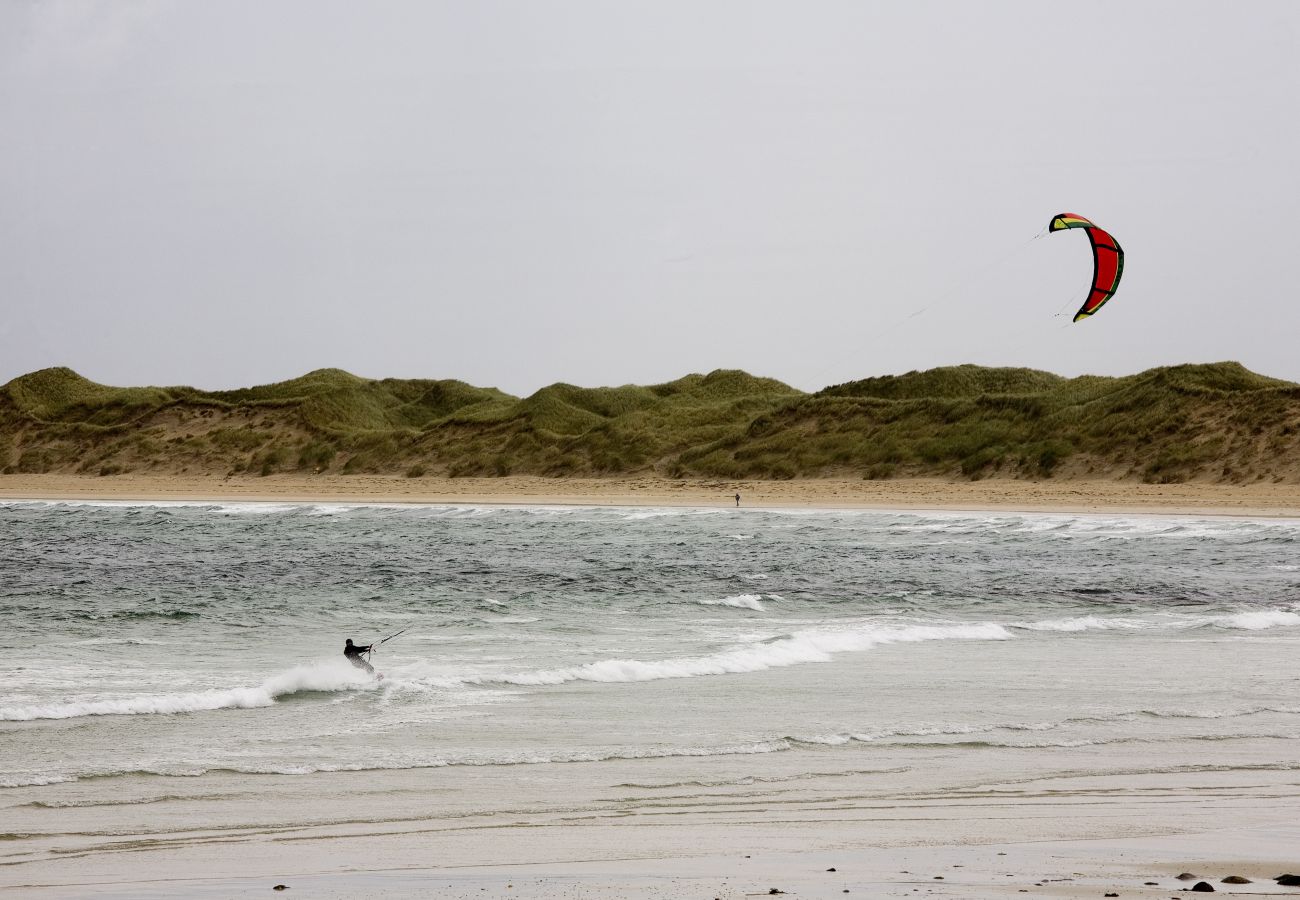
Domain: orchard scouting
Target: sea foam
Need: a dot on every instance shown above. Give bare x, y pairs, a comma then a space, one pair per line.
810, 646
1083, 623
741, 601
323, 676
1258, 620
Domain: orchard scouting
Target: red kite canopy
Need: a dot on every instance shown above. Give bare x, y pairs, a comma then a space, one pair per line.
1107, 261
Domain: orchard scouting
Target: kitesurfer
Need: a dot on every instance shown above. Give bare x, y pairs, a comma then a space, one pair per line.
353, 653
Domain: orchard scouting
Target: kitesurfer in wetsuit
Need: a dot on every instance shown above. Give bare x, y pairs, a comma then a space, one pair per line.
353, 653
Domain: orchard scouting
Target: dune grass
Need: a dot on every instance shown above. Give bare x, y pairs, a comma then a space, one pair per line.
1217, 422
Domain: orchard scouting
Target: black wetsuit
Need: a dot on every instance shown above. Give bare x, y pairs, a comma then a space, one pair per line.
353, 653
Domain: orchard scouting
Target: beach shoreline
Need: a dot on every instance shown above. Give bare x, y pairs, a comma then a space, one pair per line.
1050, 495
1062, 846
1052, 755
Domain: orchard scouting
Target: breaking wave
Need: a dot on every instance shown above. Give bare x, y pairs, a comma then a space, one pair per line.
1259, 620
812, 646
318, 677
741, 601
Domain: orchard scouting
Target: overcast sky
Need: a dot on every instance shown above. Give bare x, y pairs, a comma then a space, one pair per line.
519, 193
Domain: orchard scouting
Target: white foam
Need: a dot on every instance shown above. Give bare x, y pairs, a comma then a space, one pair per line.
923, 731
1083, 623
1248, 620
11, 781
324, 676
800, 647
1258, 620
740, 601
382, 762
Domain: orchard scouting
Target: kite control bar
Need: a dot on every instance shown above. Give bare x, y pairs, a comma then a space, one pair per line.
389, 638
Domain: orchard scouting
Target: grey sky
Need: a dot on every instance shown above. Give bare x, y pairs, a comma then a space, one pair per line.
518, 193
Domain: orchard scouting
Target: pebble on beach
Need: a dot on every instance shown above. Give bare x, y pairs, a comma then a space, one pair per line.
1236, 879
1204, 887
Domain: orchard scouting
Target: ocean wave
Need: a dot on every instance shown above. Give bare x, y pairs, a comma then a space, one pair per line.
520, 758
318, 677
654, 512
1083, 623
1218, 713
124, 801
958, 729
16, 781
914, 731
745, 780
811, 646
1069, 744
1259, 620
1247, 620
740, 601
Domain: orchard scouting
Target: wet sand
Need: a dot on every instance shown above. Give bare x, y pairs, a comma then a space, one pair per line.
564, 833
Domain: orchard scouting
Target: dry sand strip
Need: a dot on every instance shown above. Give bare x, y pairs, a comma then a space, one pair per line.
1258, 499
1255, 500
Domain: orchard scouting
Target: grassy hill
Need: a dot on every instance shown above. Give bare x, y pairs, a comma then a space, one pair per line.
1217, 422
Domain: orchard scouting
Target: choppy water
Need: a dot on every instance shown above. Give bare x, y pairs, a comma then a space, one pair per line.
181, 639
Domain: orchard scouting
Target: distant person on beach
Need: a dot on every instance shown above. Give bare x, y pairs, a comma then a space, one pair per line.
353, 653
738, 500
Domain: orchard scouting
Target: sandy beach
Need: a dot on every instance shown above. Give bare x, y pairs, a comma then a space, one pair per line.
466, 835
1257, 499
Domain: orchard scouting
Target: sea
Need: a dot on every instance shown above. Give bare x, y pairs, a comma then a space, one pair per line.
181, 639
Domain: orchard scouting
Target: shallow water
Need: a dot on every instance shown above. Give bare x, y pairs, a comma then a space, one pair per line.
183, 639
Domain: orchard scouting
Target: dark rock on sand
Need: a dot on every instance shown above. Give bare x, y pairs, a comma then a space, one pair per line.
1288, 880
1236, 879
1204, 887
831, 869
280, 887
1187, 876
